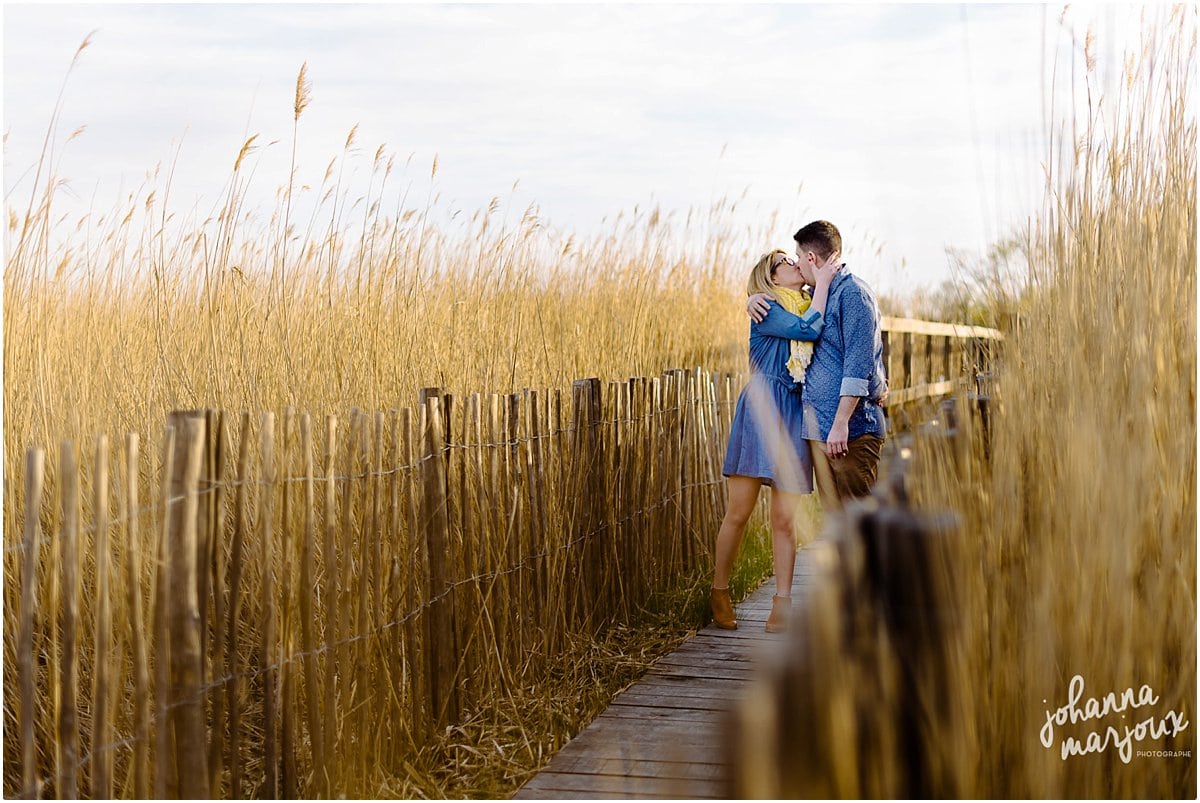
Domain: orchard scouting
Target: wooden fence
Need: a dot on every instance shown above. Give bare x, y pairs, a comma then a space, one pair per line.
280, 606
926, 359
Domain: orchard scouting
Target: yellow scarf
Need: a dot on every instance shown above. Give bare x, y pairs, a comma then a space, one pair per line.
796, 302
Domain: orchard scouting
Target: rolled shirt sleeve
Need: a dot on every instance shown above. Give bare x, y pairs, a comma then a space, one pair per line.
852, 386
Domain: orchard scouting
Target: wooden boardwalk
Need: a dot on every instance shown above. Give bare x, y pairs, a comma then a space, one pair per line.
663, 736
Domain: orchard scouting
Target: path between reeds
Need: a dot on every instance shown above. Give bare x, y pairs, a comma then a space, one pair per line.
663, 737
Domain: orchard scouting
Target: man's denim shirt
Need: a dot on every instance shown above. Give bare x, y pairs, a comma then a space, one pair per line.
847, 361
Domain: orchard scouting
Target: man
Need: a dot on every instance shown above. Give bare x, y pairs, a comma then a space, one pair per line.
843, 421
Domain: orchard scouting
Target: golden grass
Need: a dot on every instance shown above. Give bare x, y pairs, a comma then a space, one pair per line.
1086, 532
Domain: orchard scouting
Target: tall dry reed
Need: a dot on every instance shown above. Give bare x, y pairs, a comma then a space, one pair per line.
1087, 530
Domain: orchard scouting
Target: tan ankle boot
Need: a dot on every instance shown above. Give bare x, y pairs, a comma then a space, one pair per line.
722, 609
781, 608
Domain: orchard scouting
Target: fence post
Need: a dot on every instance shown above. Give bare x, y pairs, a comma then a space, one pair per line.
537, 515
589, 457
35, 468
872, 657
435, 517
307, 612
906, 360
515, 530
886, 337
330, 591
270, 474
236, 563
214, 478
102, 669
187, 715
68, 722
413, 576
640, 457
288, 714
165, 782
598, 481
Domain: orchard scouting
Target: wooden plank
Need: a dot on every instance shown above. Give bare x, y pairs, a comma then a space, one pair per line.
631, 732
640, 787
546, 793
639, 767
743, 633
689, 715
664, 691
649, 713
925, 391
700, 658
645, 750
911, 326
695, 682
714, 645
712, 649
705, 672
650, 698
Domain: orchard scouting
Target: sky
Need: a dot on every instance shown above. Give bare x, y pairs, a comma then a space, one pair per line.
915, 128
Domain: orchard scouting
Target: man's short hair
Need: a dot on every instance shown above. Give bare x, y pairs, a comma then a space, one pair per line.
821, 236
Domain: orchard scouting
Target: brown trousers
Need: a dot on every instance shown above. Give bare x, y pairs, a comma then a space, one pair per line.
847, 477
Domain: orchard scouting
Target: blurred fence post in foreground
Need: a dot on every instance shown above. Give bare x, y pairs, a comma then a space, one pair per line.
864, 702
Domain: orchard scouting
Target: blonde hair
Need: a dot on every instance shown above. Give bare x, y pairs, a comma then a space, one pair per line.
761, 279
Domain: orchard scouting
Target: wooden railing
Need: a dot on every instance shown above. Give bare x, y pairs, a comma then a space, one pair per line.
926, 360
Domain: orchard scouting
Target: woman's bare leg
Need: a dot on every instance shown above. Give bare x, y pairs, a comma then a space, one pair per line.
783, 538
743, 494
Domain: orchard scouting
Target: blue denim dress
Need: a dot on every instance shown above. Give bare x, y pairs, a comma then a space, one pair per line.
765, 438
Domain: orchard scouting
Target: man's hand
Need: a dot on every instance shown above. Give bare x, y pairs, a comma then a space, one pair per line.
838, 441
825, 273
757, 307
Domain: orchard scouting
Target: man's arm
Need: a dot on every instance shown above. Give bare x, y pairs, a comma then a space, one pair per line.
839, 434
858, 365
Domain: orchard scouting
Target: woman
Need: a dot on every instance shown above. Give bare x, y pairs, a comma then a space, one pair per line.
765, 447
